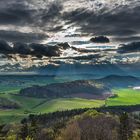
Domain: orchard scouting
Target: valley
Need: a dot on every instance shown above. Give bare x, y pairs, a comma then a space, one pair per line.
24, 95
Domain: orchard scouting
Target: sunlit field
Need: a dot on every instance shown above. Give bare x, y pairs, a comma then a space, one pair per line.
124, 97
28, 105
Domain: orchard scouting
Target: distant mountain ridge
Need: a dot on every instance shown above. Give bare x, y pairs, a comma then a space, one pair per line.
120, 77
120, 81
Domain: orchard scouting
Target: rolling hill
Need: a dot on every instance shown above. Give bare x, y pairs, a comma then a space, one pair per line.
80, 88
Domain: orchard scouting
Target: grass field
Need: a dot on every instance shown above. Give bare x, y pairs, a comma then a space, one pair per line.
30, 105
35, 106
66, 104
125, 97
26, 107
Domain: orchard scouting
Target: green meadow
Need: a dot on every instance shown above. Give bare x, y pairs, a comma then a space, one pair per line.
28, 105
25, 107
67, 104
124, 97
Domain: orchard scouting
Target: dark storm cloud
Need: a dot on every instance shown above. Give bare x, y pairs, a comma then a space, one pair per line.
4, 47
52, 12
119, 32
15, 13
34, 49
123, 22
21, 12
26, 14
126, 39
100, 39
46, 15
131, 47
15, 16
14, 36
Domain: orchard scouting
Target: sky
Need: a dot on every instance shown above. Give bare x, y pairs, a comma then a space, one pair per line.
37, 20
24, 22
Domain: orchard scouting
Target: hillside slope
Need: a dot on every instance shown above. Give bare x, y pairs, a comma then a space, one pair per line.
87, 89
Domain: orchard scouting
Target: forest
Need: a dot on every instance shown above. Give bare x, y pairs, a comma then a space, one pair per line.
105, 123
